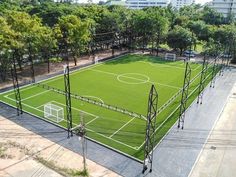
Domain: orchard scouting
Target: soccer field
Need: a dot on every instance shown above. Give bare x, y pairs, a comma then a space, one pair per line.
124, 82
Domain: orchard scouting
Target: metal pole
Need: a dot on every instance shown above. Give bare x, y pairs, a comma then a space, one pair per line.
150, 129
184, 98
16, 86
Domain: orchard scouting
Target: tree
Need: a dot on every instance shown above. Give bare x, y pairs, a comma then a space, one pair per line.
212, 17
160, 26
30, 33
48, 44
73, 34
200, 29
8, 42
180, 38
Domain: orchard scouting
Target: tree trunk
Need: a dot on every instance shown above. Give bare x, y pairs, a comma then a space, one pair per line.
143, 44
181, 51
75, 60
48, 61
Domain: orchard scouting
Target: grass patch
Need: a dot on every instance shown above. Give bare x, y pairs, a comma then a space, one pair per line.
60, 170
124, 83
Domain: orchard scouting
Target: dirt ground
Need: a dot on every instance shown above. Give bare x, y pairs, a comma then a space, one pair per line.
26, 154
218, 157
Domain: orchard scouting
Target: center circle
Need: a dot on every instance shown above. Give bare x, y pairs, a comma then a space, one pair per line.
133, 78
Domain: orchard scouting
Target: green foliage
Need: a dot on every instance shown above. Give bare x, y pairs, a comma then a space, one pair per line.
180, 38
55, 59
36, 28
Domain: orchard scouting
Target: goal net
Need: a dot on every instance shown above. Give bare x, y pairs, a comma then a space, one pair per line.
170, 56
53, 112
96, 60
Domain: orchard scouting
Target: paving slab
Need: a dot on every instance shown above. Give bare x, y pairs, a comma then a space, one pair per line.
218, 157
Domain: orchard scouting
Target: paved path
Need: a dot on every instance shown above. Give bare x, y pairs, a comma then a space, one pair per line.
218, 158
177, 153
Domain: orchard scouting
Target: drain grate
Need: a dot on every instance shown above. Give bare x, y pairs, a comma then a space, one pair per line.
213, 147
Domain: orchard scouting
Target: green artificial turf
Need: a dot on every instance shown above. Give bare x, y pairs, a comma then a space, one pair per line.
125, 83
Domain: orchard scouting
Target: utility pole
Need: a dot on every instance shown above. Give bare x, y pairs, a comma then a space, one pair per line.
81, 132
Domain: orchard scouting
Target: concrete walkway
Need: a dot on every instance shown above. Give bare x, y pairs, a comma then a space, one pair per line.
218, 158
177, 153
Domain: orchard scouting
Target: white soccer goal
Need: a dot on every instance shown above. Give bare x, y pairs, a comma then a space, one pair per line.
53, 112
170, 56
96, 60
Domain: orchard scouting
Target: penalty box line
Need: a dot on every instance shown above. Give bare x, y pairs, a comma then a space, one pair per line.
96, 117
134, 148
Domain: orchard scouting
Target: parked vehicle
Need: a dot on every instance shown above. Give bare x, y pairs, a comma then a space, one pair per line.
190, 53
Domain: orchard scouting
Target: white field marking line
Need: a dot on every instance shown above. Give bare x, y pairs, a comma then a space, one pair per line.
41, 105
212, 128
167, 66
89, 96
75, 108
197, 67
135, 148
134, 78
23, 104
76, 125
130, 77
57, 77
92, 120
107, 137
86, 136
171, 114
96, 117
122, 127
35, 95
161, 65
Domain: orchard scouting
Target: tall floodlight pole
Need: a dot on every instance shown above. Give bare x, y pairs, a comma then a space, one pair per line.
16, 86
202, 80
67, 90
213, 73
150, 129
184, 98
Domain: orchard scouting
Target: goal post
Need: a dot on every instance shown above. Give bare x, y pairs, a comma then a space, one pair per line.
170, 56
53, 112
96, 60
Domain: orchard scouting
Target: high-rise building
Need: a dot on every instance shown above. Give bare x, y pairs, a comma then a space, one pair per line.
180, 3
225, 7
139, 4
